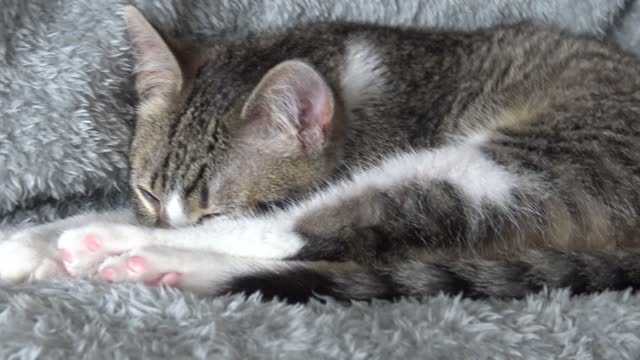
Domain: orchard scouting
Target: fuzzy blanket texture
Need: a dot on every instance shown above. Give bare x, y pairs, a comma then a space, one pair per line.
66, 113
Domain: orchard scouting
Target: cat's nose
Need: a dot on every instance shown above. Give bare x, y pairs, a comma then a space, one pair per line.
175, 213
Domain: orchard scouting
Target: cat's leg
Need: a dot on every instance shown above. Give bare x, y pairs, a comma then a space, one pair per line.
212, 274
201, 272
30, 253
427, 198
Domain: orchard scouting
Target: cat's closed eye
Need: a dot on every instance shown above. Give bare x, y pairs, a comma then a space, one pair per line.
209, 216
262, 207
151, 199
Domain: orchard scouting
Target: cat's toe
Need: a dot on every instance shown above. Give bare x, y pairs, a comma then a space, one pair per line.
84, 249
114, 269
23, 261
81, 250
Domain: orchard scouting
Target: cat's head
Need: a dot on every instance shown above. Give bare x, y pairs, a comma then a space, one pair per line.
217, 134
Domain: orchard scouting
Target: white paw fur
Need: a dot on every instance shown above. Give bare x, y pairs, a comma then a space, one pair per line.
25, 260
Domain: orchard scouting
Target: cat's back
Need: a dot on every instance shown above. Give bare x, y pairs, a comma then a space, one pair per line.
524, 41
419, 86
443, 80
420, 62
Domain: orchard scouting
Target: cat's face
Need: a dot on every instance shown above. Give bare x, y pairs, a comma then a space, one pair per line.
219, 137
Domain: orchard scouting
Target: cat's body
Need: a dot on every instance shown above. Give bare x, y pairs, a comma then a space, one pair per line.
406, 162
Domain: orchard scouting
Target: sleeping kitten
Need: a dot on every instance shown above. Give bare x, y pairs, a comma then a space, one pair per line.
362, 162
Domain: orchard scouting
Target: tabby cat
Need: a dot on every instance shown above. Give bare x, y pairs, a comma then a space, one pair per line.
361, 161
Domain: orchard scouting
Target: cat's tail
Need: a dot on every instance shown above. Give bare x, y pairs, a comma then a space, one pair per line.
511, 277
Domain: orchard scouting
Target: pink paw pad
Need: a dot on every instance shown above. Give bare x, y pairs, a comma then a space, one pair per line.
92, 242
170, 279
108, 274
67, 256
137, 264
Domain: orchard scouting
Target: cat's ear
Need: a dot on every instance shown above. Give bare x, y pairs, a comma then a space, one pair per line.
292, 103
158, 69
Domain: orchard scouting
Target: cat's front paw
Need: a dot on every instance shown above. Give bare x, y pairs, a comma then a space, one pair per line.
152, 265
84, 249
200, 272
25, 260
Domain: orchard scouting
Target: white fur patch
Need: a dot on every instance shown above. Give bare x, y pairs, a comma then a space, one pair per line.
363, 75
266, 237
461, 163
175, 212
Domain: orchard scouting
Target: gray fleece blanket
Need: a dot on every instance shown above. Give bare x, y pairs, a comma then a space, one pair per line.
66, 112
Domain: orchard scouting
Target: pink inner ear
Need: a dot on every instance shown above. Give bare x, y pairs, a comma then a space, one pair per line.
315, 105
306, 115
315, 113
292, 105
